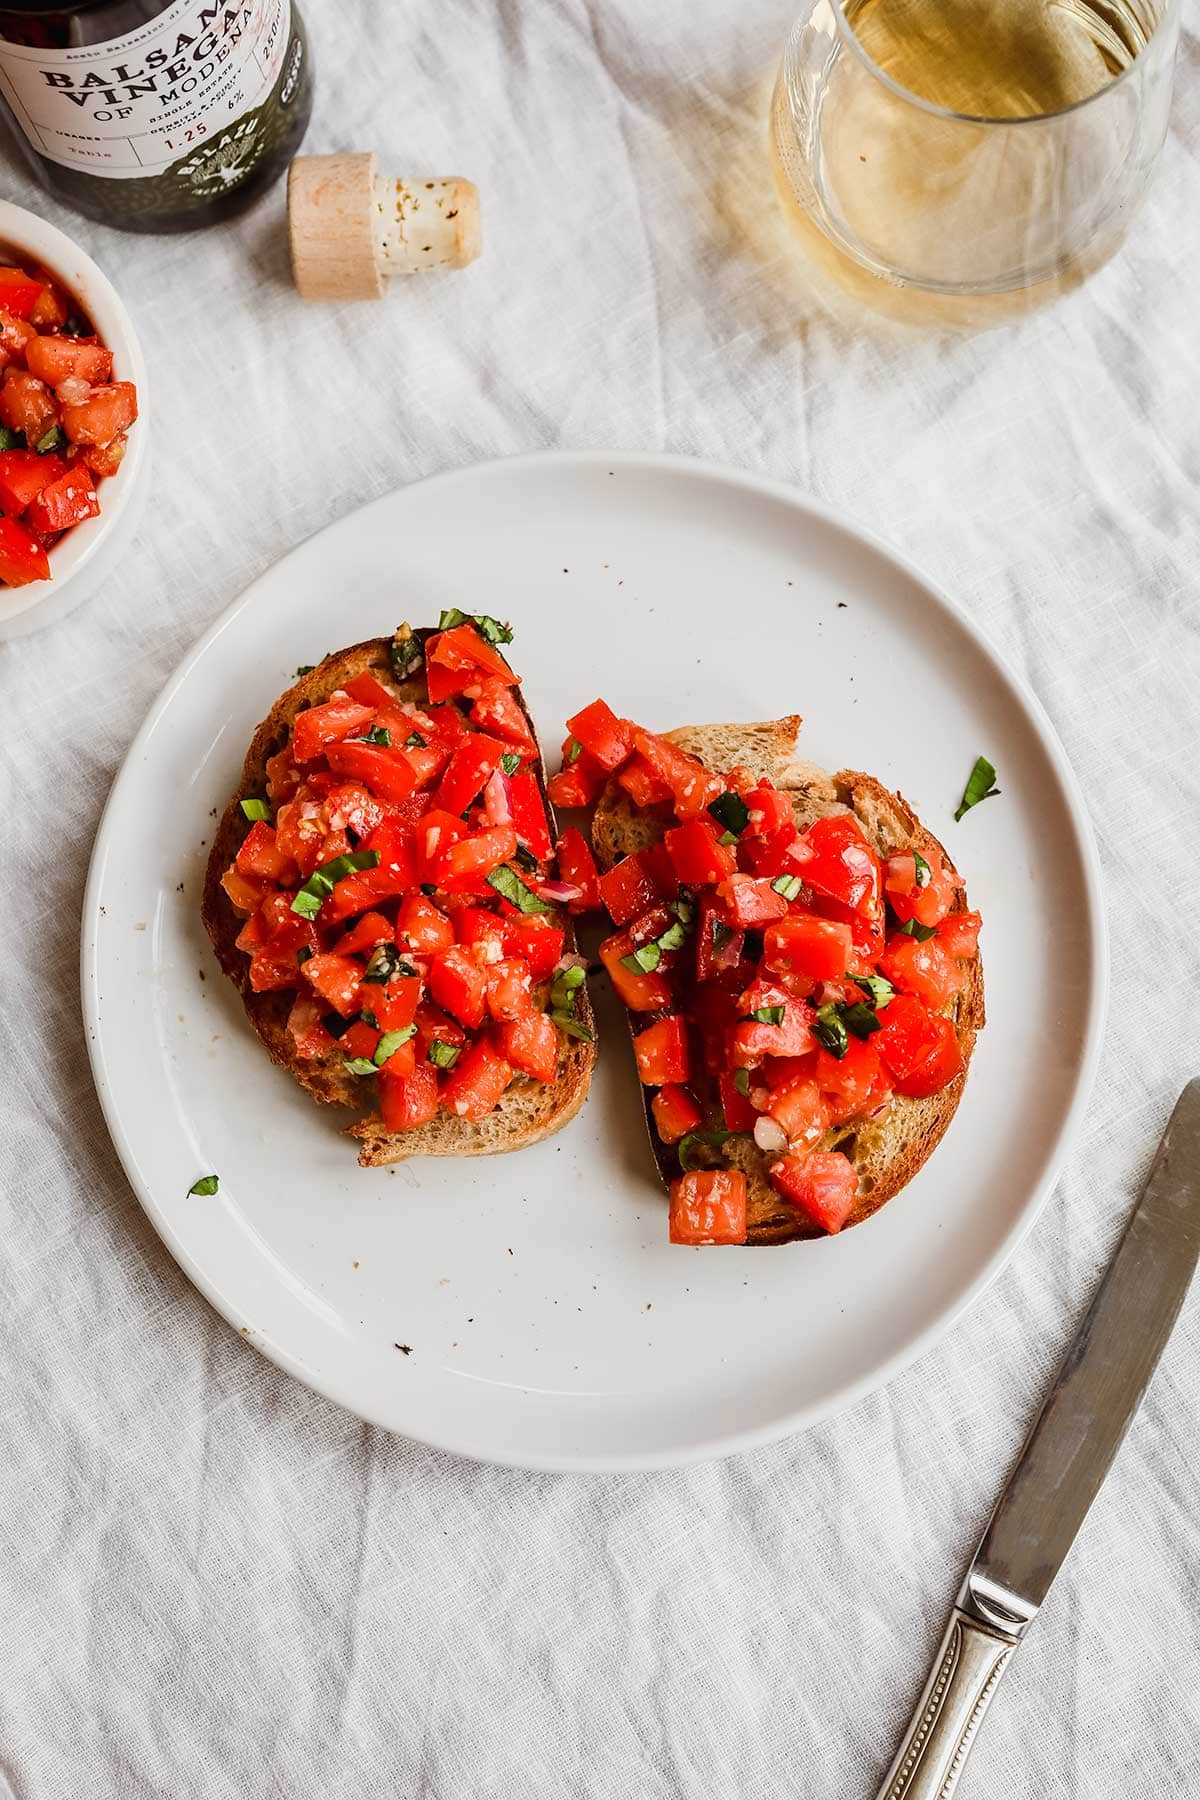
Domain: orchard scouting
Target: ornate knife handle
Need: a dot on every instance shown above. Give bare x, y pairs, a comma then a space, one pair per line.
965, 1675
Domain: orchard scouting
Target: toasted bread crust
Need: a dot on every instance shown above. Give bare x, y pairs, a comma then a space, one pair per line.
528, 1111
888, 1151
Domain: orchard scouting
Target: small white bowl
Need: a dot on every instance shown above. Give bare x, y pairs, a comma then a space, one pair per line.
89, 552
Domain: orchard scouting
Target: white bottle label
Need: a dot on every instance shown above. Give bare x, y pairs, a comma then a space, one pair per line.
134, 106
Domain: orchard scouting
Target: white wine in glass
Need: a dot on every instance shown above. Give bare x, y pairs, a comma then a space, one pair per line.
962, 160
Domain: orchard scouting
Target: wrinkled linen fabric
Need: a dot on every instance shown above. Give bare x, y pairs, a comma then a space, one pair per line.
214, 1583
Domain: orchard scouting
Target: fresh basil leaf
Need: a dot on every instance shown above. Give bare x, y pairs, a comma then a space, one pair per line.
924, 872
335, 1025
877, 989
830, 1030
382, 964
731, 811
922, 933
76, 326
526, 859
564, 989
321, 883
684, 910
510, 762
404, 653
359, 1065
694, 1141
54, 439
429, 887
673, 938
303, 953
643, 961
414, 741
860, 1019
572, 753
368, 1018
980, 786
390, 1042
787, 885
491, 630
306, 669
509, 885
378, 734
450, 617
11, 440
254, 808
766, 1015
444, 1056
728, 837
207, 1184
572, 1027
741, 1081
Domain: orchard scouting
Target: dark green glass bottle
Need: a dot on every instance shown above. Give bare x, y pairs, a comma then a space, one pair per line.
155, 115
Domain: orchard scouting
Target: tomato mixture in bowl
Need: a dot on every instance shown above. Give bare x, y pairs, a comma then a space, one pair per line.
63, 420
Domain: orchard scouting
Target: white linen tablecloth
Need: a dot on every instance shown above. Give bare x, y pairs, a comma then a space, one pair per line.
213, 1583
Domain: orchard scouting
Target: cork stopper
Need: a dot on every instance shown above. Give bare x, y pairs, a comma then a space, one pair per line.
350, 227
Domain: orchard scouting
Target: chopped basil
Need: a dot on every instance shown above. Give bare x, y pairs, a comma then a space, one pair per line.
572, 753
564, 987
527, 860
981, 785
923, 870
643, 961
207, 1184
922, 933
877, 989
830, 1030
721, 934
510, 762
572, 1027
766, 1015
673, 938
11, 440
378, 734
306, 669
860, 1018
390, 1042
321, 882
76, 327
303, 953
509, 885
444, 1056
368, 1018
684, 910
741, 1081
414, 741
335, 1025
429, 887
404, 653
383, 963
256, 809
699, 1140
54, 439
787, 885
359, 1065
731, 811
728, 837
491, 630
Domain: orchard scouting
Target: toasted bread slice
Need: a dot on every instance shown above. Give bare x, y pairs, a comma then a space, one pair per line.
528, 1110
888, 1151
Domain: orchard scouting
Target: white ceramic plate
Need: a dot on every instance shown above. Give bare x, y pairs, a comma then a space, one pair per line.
547, 1320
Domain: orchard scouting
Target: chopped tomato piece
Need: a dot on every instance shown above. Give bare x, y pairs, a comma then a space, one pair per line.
392, 875
476, 1081
98, 419
468, 769
19, 292
692, 786
360, 1040
781, 1071
662, 1052
627, 889
275, 968
351, 808
245, 892
388, 773
106, 459
926, 970
254, 933
752, 1039
533, 936
751, 900
368, 690
309, 1036
909, 1035
464, 648
849, 1082
318, 726
422, 927
459, 986
371, 929
67, 500
23, 475
496, 709
708, 1206
931, 895
261, 855
940, 1067
50, 309
958, 934
714, 1012
577, 867
801, 1112
642, 783
462, 866
824, 1186
394, 1005
697, 855
530, 1044
435, 834
834, 857
408, 1100
675, 1113
607, 739
640, 992
739, 1113
483, 929
577, 784
770, 811
719, 948
434, 1026
26, 404
55, 359
337, 979
509, 989
529, 815
805, 945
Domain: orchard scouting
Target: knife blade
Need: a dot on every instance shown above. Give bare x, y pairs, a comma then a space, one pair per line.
1062, 1466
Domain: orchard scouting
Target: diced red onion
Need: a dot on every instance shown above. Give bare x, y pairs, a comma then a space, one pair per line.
74, 390
769, 1134
562, 892
497, 799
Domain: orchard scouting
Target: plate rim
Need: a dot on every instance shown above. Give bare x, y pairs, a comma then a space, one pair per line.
839, 1398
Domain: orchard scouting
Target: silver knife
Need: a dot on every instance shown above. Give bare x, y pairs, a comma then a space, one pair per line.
1063, 1464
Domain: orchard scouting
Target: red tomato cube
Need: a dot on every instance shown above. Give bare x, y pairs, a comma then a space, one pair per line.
692, 786
67, 500
751, 900
533, 937
805, 945
245, 892
662, 1052
57, 359
925, 970
909, 1035
509, 989
98, 419
942, 1064
476, 1082
931, 895
640, 992
408, 1100
738, 1111
19, 292
464, 650
459, 986
530, 1044
708, 1206
319, 726
642, 782
261, 855
627, 889
23, 475
394, 1005
463, 866
577, 866
958, 934
801, 1112
338, 980
834, 857
823, 1186
496, 709
675, 1113
607, 739
371, 929
529, 815
696, 854
309, 1036
577, 784
848, 1082
468, 769
422, 927
22, 558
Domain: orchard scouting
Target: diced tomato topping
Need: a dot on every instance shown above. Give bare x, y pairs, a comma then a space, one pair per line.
485, 930
675, 1113
388, 773
462, 866
823, 1186
360, 1039
23, 475
958, 934
719, 947
26, 404
19, 292
373, 928
15, 335
261, 855
708, 1206
639, 992
577, 867
496, 709
805, 945
406, 1101
627, 889
459, 986
529, 815
928, 903
368, 690
463, 648
848, 1082
534, 937
751, 900
68, 500
801, 1112
99, 419
736, 1106
752, 1039
607, 739
422, 927
337, 979
22, 558
576, 785
662, 1052
642, 783
245, 891
925, 970
696, 854
530, 1044
392, 876
692, 786
434, 1026
309, 1036
57, 359
467, 771
394, 1005
435, 833
351, 808
319, 726
770, 811
476, 1082
943, 1064
714, 1013
106, 459
835, 858
509, 989
909, 1036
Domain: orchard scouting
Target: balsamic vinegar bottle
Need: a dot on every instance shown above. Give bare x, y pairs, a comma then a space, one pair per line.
155, 115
